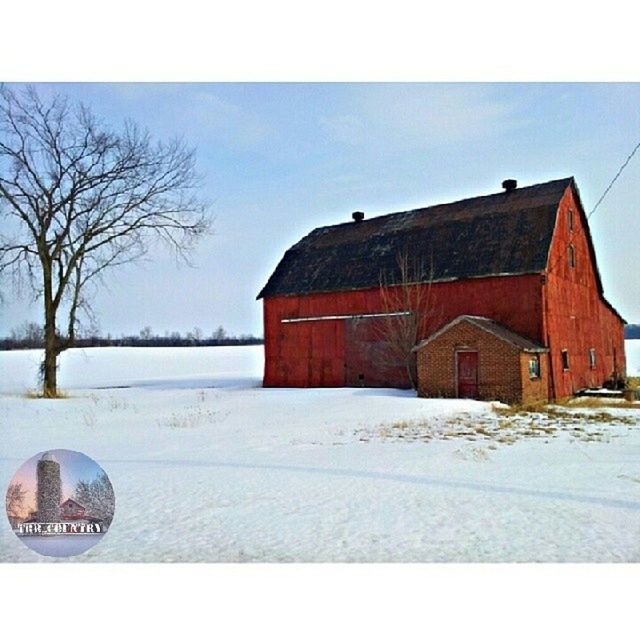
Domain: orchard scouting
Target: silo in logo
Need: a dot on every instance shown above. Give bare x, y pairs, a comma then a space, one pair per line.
49, 489
60, 503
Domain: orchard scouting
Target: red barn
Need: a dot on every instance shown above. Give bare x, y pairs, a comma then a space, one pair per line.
71, 510
522, 259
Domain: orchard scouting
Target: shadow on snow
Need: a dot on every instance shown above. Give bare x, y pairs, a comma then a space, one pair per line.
401, 477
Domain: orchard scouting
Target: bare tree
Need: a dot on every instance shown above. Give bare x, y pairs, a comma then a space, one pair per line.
146, 333
31, 334
219, 333
15, 503
408, 304
194, 336
77, 198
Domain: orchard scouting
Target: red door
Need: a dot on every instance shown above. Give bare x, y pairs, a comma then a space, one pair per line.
467, 374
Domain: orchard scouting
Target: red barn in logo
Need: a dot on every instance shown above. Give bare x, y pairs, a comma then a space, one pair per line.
71, 510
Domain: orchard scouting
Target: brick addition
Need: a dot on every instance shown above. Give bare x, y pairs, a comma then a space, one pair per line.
503, 362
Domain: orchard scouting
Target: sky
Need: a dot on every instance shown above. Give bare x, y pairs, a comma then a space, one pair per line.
281, 159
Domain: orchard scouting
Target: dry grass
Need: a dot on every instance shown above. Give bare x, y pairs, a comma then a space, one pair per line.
632, 478
188, 419
89, 418
32, 394
507, 425
561, 413
527, 408
585, 402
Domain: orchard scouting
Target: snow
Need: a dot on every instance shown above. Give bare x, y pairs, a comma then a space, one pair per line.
632, 350
209, 466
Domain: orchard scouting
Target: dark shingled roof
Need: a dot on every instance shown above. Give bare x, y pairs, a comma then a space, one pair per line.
499, 234
491, 326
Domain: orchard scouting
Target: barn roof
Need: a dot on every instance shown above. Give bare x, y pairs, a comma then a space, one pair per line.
72, 501
492, 327
506, 233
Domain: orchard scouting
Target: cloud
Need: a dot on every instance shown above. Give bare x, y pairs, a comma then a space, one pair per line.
207, 115
199, 113
422, 115
346, 129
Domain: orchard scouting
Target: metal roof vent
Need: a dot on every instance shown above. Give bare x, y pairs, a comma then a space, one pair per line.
358, 216
509, 185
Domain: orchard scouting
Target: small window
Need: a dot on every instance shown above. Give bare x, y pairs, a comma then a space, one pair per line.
592, 358
572, 256
565, 360
534, 366
570, 219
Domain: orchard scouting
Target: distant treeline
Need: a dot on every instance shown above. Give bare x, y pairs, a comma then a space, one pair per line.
30, 335
632, 331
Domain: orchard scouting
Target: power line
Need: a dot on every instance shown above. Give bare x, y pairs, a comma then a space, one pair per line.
602, 197
620, 170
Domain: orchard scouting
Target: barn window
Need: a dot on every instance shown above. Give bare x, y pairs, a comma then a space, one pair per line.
565, 360
572, 256
570, 219
592, 358
534, 366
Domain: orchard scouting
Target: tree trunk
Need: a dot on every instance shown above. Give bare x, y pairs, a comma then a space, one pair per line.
49, 366
412, 371
50, 363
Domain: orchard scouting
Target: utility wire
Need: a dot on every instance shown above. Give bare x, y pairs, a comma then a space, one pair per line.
602, 197
620, 170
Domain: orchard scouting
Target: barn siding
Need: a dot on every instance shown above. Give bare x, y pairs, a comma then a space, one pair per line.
292, 361
369, 360
576, 318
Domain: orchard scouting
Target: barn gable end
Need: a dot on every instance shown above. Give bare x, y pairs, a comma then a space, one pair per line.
577, 317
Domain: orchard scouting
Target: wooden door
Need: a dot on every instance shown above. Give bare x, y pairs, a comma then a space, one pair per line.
370, 361
467, 365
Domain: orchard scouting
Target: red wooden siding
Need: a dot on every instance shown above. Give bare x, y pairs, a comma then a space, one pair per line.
575, 316
369, 361
294, 355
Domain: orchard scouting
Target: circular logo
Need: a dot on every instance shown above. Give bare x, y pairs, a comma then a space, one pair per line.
60, 503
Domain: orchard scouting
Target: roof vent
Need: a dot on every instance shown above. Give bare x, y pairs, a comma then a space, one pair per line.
358, 216
509, 185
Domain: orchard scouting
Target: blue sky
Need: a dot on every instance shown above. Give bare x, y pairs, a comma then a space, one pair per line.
281, 159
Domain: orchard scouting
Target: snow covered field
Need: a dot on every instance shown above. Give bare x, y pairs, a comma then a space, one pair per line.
208, 466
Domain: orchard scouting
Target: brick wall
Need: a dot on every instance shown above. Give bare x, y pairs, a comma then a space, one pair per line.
534, 389
502, 368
